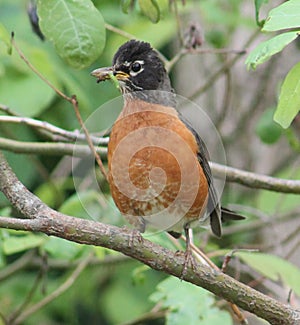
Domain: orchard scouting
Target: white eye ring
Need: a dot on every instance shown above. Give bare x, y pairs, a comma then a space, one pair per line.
136, 67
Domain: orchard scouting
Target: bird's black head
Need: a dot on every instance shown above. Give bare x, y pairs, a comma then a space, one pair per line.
137, 67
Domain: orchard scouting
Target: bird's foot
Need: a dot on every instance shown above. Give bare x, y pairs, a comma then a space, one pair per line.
133, 234
188, 260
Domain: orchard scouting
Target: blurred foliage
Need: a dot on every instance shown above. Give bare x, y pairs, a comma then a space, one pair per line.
267, 130
281, 19
195, 305
113, 292
289, 98
274, 268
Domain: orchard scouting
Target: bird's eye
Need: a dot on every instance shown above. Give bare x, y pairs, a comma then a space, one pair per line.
136, 67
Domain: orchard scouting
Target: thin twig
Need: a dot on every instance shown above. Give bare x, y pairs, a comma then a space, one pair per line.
32, 68
7, 110
229, 255
16, 266
109, 260
48, 127
89, 141
169, 64
19, 311
119, 31
178, 22
255, 180
48, 148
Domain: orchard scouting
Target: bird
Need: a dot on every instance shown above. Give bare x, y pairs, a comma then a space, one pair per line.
158, 164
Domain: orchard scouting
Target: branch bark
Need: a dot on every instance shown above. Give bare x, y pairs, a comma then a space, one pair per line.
49, 148
255, 180
49, 128
40, 218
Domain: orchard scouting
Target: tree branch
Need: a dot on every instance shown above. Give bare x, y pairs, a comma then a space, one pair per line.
17, 265
119, 31
50, 128
254, 180
40, 218
48, 148
169, 64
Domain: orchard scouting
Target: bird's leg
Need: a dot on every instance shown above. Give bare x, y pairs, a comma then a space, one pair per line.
188, 255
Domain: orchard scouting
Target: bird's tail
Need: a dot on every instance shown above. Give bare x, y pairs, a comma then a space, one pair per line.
228, 215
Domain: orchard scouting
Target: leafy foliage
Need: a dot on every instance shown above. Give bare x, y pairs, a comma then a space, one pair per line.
195, 305
289, 99
266, 49
267, 130
16, 242
75, 28
258, 4
4, 37
284, 17
274, 268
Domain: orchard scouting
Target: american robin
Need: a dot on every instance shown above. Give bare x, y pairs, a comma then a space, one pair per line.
158, 164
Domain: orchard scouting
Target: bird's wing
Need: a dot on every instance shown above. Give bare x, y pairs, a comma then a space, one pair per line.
213, 206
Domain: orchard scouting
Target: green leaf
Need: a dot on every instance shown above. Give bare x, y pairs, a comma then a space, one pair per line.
61, 248
274, 268
150, 9
289, 98
268, 48
16, 244
84, 206
267, 130
292, 138
76, 28
258, 4
188, 304
5, 37
53, 192
138, 274
287, 15
125, 5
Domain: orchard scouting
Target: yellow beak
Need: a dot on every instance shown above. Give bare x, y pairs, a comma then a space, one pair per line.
103, 74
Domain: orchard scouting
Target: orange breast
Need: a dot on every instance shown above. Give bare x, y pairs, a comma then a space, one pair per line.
154, 173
